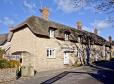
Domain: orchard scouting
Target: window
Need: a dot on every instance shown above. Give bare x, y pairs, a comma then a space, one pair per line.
66, 36
79, 39
52, 33
50, 53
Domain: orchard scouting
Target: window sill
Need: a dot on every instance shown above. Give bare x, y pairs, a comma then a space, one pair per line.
51, 58
52, 37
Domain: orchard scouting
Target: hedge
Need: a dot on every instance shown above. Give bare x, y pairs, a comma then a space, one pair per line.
9, 64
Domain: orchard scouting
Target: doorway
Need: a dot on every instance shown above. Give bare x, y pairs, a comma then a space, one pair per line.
66, 58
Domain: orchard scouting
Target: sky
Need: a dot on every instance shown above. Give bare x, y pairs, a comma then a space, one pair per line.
13, 12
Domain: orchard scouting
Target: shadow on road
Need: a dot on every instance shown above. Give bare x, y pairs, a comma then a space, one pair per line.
104, 74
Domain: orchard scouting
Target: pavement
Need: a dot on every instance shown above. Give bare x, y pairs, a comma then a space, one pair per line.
79, 75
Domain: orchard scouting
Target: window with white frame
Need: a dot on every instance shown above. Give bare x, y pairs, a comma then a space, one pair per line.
50, 53
51, 33
79, 39
66, 36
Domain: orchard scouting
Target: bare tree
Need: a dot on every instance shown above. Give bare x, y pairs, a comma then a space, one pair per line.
101, 5
104, 6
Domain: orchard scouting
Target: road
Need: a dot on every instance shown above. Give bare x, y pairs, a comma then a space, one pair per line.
83, 75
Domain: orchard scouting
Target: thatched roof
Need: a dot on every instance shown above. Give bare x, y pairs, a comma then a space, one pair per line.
40, 26
3, 39
112, 43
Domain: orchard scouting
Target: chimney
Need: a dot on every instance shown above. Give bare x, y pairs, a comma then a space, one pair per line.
44, 13
79, 25
95, 31
11, 27
110, 39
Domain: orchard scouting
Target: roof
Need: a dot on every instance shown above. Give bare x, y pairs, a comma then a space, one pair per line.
112, 43
3, 38
39, 26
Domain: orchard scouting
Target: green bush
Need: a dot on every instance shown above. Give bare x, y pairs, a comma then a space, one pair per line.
14, 63
2, 52
9, 64
4, 63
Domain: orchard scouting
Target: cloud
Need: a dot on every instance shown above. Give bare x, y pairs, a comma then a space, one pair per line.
7, 21
102, 24
70, 5
29, 6
87, 28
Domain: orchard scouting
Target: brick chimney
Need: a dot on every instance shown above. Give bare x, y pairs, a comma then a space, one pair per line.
44, 13
79, 25
95, 31
110, 39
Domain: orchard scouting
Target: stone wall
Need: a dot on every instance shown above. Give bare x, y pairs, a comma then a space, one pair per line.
7, 74
113, 51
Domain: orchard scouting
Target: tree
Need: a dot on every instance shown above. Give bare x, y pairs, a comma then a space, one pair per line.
101, 5
104, 6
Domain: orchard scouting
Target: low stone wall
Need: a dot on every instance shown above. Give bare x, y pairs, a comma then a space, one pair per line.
8, 74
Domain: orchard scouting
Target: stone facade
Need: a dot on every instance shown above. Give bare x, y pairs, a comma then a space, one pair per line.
112, 51
25, 40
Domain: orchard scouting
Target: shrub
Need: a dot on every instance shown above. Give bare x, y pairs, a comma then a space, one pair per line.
4, 63
14, 63
2, 52
9, 64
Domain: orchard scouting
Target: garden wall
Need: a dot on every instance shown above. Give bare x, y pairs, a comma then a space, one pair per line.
8, 74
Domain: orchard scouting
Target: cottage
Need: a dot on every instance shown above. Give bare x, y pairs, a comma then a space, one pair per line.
113, 49
47, 45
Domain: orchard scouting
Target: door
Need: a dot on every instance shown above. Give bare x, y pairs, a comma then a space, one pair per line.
66, 58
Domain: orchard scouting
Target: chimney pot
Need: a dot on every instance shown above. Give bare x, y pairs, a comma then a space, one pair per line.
110, 39
79, 25
95, 31
44, 13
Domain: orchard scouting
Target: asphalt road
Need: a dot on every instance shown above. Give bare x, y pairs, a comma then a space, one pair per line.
84, 75
78, 78
100, 73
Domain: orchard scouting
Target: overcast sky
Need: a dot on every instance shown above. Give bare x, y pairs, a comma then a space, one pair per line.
13, 12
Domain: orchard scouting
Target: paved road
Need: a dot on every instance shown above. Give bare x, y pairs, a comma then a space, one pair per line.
83, 75
78, 78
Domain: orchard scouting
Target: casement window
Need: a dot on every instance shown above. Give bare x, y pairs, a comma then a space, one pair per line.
51, 33
66, 36
50, 53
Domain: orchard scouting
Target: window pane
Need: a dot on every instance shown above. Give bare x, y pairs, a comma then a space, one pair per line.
48, 53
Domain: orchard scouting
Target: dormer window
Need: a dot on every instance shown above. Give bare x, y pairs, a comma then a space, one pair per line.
66, 36
79, 39
52, 33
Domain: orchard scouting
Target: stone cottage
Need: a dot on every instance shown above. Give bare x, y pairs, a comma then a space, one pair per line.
47, 45
113, 49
